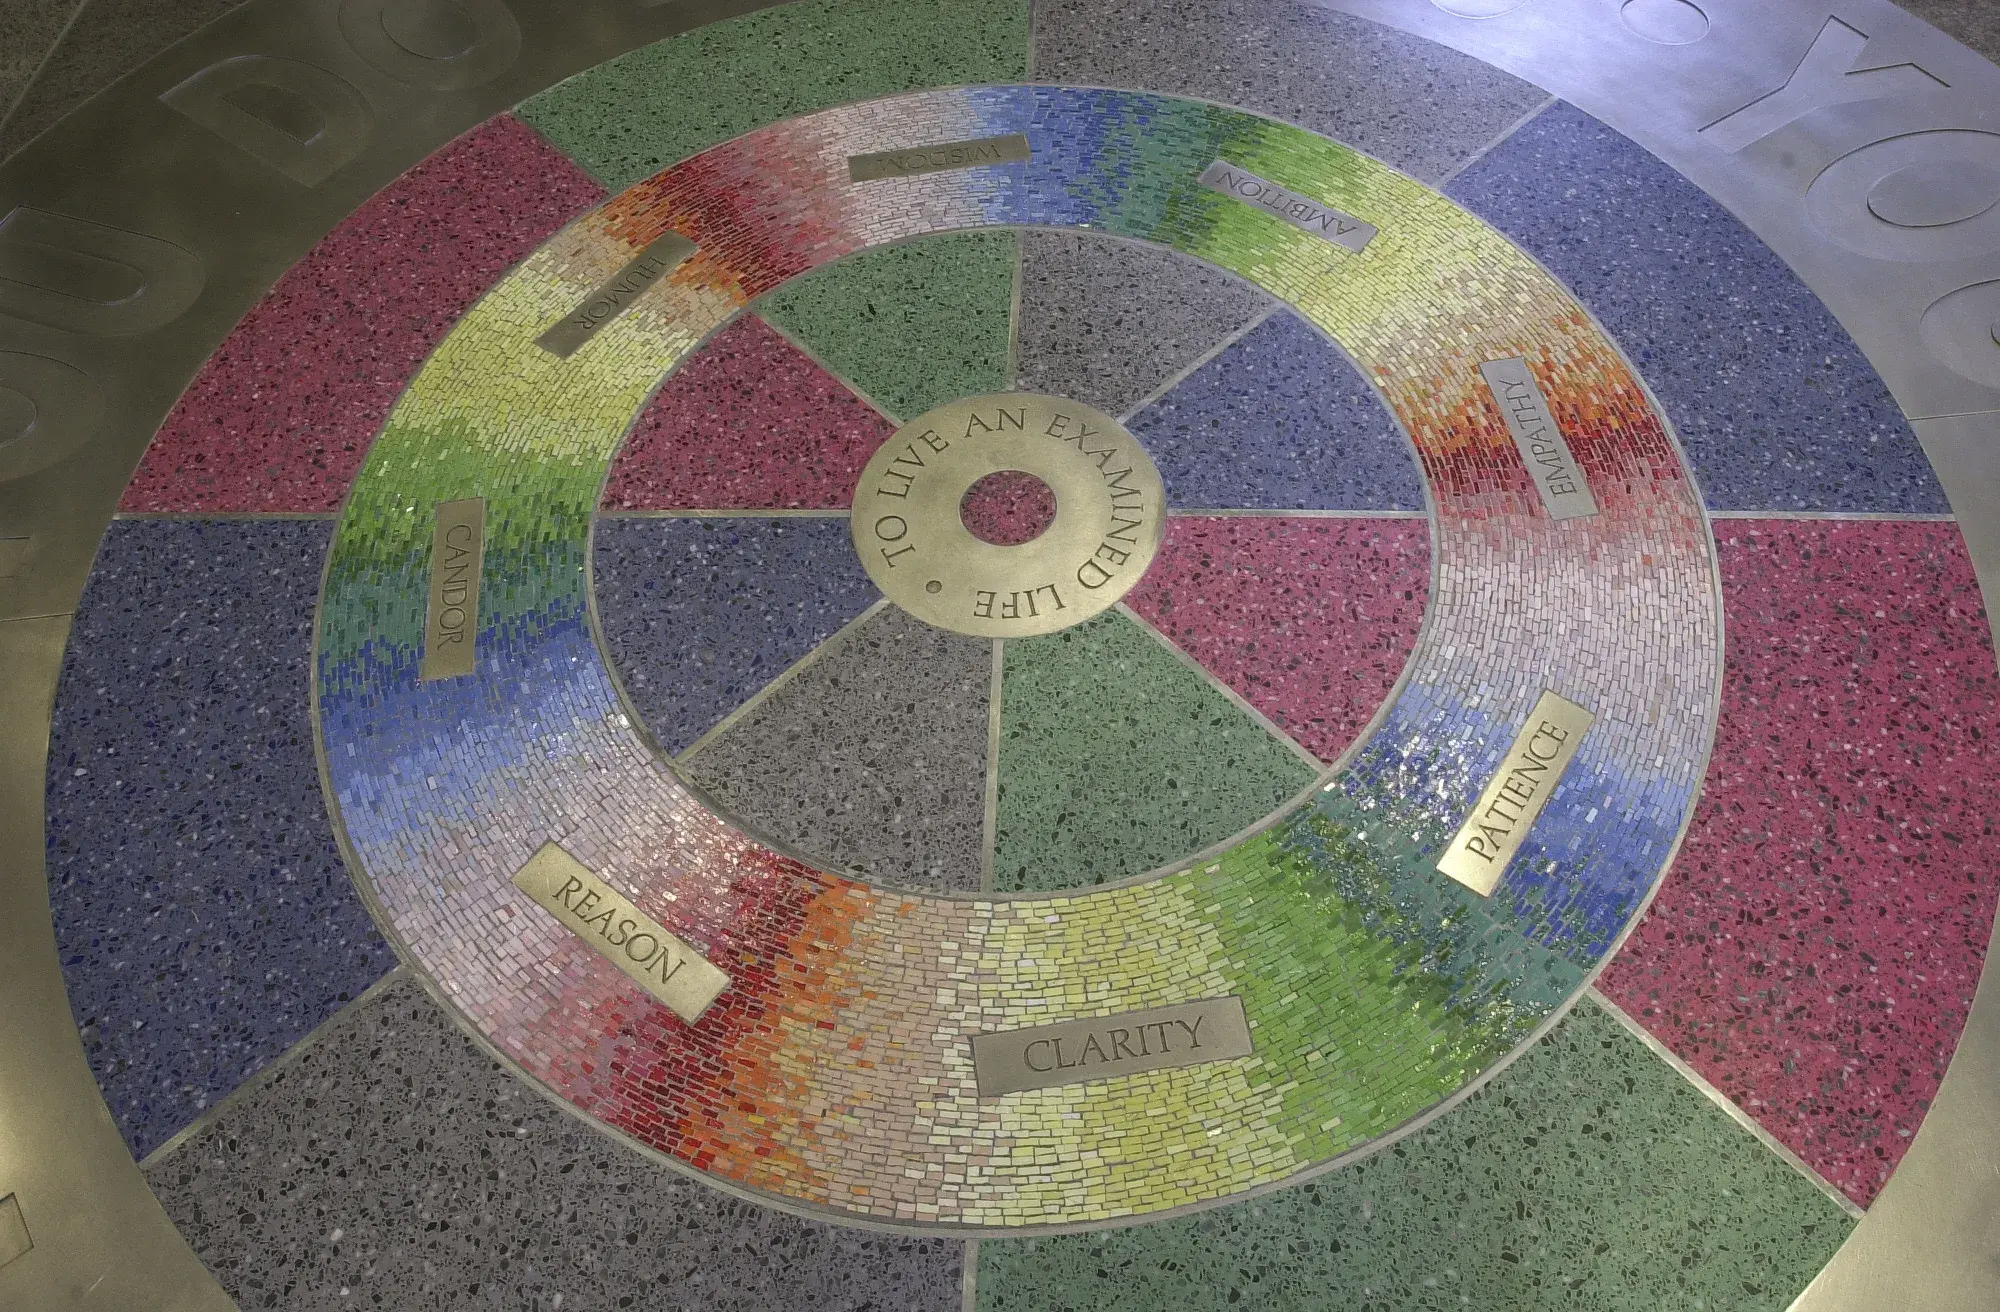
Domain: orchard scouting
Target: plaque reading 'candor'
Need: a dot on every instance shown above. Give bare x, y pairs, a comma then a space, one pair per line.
664, 966
616, 295
451, 625
1072, 1051
1527, 778
1533, 428
912, 160
1302, 212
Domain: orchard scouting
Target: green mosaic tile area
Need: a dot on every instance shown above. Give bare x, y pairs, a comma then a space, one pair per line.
1589, 1176
627, 119
912, 326
1117, 757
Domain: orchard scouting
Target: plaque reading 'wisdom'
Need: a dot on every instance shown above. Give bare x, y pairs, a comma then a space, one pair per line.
1533, 428
451, 624
912, 160
1527, 778
616, 295
664, 966
1301, 212
1072, 1051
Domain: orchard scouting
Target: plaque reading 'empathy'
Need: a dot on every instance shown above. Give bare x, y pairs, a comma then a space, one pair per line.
912, 160
616, 295
1540, 442
664, 966
1072, 1051
1527, 778
1301, 212
451, 624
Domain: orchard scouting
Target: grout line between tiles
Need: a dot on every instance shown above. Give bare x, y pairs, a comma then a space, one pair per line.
1197, 512
1318, 766
752, 512
228, 515
1176, 379
968, 1284
1012, 376
990, 825
790, 672
1494, 144
1865, 516
1722, 1100
832, 372
267, 1072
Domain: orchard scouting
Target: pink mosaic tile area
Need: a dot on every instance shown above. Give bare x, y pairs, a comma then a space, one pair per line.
1310, 620
1816, 945
280, 418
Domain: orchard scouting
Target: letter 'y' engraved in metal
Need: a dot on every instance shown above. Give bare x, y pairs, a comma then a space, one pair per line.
451, 623
1506, 810
912, 160
1543, 449
1102, 1048
616, 295
627, 937
1302, 212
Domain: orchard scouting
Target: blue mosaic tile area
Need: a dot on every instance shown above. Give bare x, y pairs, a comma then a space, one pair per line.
1303, 430
698, 614
204, 917
1775, 406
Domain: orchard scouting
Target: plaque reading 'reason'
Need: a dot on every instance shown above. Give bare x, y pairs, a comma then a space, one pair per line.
594, 911
941, 158
616, 295
451, 624
1543, 449
1527, 778
1302, 212
1072, 1051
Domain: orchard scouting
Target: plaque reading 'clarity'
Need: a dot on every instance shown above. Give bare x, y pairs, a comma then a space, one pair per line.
1301, 212
912, 160
664, 966
616, 295
1533, 428
1527, 778
1072, 1051
451, 625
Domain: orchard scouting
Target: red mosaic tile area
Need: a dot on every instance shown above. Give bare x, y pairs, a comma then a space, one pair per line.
1815, 948
1310, 620
280, 418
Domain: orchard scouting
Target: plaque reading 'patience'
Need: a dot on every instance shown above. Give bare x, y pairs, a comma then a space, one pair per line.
912, 160
664, 966
1533, 428
616, 295
1490, 836
1072, 1051
451, 624
1302, 212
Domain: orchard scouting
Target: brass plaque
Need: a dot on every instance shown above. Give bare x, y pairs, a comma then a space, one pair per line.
616, 295
451, 625
1110, 515
1302, 212
1073, 1051
1533, 427
594, 911
912, 160
1516, 794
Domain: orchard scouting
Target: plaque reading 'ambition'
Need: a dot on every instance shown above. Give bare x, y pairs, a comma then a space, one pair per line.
1072, 1051
1302, 212
664, 966
616, 295
912, 160
1527, 778
1533, 428
451, 624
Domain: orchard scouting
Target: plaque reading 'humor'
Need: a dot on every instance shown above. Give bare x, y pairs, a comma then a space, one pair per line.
912, 160
1302, 212
451, 624
1533, 428
1506, 810
588, 907
1072, 1051
616, 295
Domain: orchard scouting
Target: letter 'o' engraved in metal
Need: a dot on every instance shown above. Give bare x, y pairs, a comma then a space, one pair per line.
451, 620
1105, 1047
1110, 515
1527, 778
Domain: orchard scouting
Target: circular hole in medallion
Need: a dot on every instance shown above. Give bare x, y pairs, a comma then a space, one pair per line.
1008, 508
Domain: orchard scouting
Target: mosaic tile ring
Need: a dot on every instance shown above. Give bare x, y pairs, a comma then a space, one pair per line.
835, 1072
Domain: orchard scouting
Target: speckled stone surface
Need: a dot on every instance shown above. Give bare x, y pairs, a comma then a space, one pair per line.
1587, 1177
698, 614
1109, 322
911, 326
634, 115
872, 758
1975, 22
281, 416
1322, 70
749, 422
1303, 430
393, 1165
28, 31
1308, 620
1815, 948
1116, 757
202, 911
1775, 406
